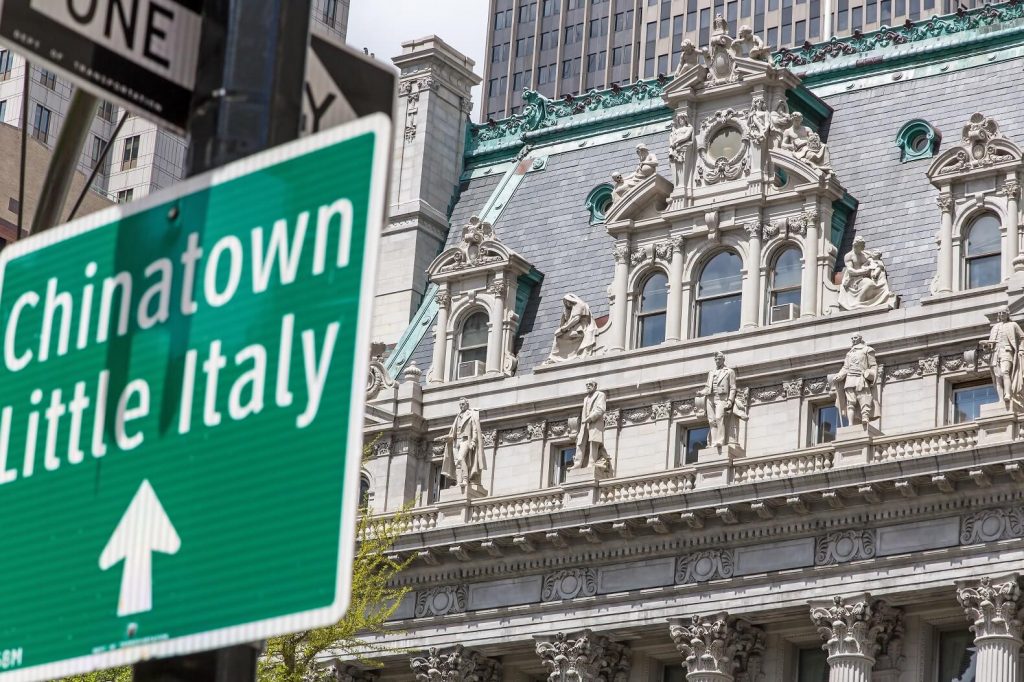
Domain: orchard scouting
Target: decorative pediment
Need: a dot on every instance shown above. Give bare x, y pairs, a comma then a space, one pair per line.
981, 147
644, 200
480, 249
796, 170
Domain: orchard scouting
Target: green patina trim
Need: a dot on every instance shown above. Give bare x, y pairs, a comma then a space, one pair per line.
816, 112
524, 289
910, 132
842, 211
598, 201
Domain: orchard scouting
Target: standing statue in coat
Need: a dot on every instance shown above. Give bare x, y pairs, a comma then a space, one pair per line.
1007, 374
590, 440
719, 395
464, 447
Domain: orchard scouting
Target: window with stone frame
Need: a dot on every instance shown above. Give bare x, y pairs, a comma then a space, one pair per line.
561, 462
812, 665
967, 399
472, 344
652, 306
956, 656
364, 490
438, 482
785, 280
691, 440
983, 253
824, 423
719, 295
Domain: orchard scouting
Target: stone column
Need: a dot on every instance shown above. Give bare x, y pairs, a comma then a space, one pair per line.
752, 284
945, 264
858, 633
674, 314
1011, 188
718, 648
809, 284
455, 664
992, 607
583, 657
620, 291
437, 367
496, 339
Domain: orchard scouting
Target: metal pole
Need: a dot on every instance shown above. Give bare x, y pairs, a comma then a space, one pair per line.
24, 155
248, 97
99, 164
64, 161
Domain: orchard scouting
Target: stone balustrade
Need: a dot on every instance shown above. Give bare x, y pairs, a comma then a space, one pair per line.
512, 506
771, 467
646, 486
933, 442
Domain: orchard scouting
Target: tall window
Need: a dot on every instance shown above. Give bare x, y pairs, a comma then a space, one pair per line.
48, 78
3, 110
650, 319
438, 482
331, 12
106, 112
785, 285
825, 423
473, 346
561, 461
958, 656
967, 401
812, 665
691, 441
41, 123
718, 295
984, 251
5, 64
364, 491
130, 154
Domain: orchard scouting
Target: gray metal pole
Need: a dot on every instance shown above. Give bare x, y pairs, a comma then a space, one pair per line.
24, 154
64, 161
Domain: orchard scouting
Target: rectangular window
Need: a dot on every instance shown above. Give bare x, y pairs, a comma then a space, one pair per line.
730, 15
5, 64
561, 462
41, 123
548, 40
929, 4
705, 26
517, 81
592, 62
872, 13
812, 665
691, 441
124, 196
98, 143
48, 79
824, 422
858, 19
492, 87
106, 112
331, 12
967, 401
663, 63
958, 656
801, 33
550, 7
649, 67
617, 56
438, 482
3, 111
886, 12
130, 153
773, 38
524, 46
915, 10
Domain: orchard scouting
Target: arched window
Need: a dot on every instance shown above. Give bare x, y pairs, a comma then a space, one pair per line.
650, 318
473, 346
364, 491
984, 252
785, 284
718, 295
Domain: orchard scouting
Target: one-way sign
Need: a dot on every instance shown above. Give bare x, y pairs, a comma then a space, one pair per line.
141, 54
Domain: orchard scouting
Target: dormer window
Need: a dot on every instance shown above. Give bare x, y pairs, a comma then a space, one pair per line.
917, 139
473, 346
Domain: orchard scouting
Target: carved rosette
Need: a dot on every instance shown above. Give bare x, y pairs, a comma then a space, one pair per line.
718, 647
699, 567
569, 583
583, 658
443, 600
992, 607
860, 628
457, 665
991, 524
843, 546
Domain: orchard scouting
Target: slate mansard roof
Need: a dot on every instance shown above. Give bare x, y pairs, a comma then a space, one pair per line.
941, 71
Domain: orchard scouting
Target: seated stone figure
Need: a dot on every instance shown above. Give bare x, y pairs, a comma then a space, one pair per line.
576, 333
865, 283
648, 167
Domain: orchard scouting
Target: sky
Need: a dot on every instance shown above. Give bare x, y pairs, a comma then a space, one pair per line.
383, 25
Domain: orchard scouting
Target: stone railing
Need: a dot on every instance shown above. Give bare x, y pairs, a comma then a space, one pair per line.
642, 487
422, 520
512, 506
783, 466
934, 442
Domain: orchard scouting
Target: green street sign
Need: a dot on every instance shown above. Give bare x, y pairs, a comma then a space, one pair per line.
181, 403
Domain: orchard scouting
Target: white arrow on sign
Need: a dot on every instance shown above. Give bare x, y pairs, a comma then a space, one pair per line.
143, 529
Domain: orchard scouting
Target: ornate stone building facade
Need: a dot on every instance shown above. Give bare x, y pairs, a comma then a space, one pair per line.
743, 370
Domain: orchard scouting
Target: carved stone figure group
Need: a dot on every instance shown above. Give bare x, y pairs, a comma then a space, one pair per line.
865, 283
647, 167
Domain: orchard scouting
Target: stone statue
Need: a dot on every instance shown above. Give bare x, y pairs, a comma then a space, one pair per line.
794, 138
1005, 343
689, 56
576, 333
815, 152
679, 143
749, 45
590, 439
857, 384
464, 447
758, 123
780, 120
648, 166
865, 283
719, 395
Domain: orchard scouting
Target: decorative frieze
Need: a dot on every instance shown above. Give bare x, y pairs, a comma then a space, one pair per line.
490, 437
558, 429
991, 524
516, 435
535, 430
794, 388
699, 567
611, 419
843, 546
816, 386
767, 394
635, 415
928, 365
902, 371
456, 665
992, 607
443, 600
661, 410
569, 584
952, 363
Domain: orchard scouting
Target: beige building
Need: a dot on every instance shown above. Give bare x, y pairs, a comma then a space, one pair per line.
838, 496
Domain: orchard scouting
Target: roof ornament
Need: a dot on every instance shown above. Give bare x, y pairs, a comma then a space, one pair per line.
981, 145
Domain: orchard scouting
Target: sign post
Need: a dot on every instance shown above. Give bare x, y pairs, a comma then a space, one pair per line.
181, 423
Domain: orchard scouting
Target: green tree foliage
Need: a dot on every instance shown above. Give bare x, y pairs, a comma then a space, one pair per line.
116, 675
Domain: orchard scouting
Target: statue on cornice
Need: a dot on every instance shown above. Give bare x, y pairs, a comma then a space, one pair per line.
648, 166
815, 152
857, 384
464, 447
1007, 364
749, 45
758, 120
576, 333
794, 138
618, 187
719, 394
865, 283
679, 142
780, 120
590, 439
689, 56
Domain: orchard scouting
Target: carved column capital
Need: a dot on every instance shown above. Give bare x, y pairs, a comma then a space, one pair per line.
458, 664
992, 607
583, 657
497, 287
1011, 189
443, 298
945, 202
621, 253
753, 230
860, 628
718, 647
676, 243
